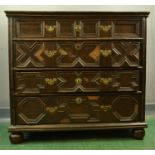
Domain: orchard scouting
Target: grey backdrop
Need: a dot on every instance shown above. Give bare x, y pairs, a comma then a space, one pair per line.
4, 73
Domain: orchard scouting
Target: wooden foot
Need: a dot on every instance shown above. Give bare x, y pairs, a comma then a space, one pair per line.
16, 138
138, 133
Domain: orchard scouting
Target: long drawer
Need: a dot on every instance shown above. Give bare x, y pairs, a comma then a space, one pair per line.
76, 81
78, 109
72, 28
77, 54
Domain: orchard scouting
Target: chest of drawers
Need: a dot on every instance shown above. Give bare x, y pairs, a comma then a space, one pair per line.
77, 71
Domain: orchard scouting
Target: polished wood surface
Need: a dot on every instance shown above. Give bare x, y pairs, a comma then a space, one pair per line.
77, 71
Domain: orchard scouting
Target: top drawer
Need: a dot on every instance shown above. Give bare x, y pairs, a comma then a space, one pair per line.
72, 28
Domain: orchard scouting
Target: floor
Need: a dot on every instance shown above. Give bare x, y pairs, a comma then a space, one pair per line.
87, 140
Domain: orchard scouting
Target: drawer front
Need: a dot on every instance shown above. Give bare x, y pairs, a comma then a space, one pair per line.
78, 109
60, 28
126, 28
78, 28
71, 28
77, 54
30, 28
76, 81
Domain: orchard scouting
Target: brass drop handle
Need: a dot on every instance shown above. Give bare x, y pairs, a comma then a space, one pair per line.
78, 100
50, 53
105, 53
105, 81
105, 28
105, 108
51, 81
77, 28
78, 81
50, 28
51, 109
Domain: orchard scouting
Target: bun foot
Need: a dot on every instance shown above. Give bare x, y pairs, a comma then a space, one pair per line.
16, 138
138, 133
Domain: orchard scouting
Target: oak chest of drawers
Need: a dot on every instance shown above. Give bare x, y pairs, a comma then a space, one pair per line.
77, 71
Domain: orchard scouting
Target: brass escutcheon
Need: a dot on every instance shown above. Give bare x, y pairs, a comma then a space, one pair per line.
105, 108
78, 46
50, 28
105, 53
50, 81
77, 28
78, 100
78, 81
105, 28
51, 109
105, 81
50, 53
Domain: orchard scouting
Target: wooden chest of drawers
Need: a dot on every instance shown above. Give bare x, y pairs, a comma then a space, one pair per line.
77, 71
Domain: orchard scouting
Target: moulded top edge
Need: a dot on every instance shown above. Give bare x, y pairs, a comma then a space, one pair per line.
71, 13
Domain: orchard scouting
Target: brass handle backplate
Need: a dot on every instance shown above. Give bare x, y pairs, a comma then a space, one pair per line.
105, 81
105, 108
51, 81
51, 109
50, 53
105, 28
50, 28
105, 53
78, 100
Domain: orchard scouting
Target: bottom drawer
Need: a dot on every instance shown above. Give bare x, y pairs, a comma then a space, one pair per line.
78, 109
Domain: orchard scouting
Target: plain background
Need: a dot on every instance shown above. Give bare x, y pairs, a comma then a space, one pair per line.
4, 72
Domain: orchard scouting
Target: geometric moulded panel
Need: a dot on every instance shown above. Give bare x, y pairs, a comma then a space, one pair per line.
29, 28
125, 108
125, 54
32, 110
